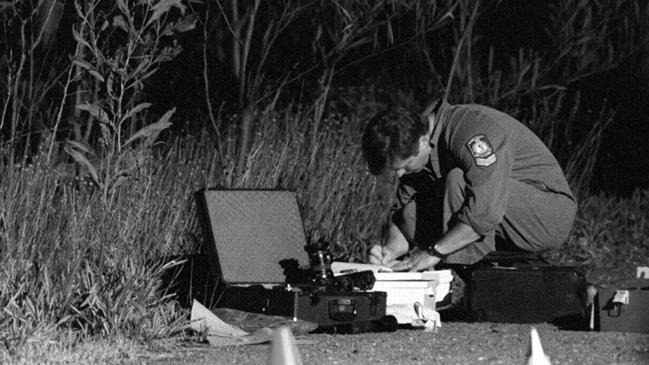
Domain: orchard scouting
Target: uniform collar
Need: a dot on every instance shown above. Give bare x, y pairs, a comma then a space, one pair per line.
439, 109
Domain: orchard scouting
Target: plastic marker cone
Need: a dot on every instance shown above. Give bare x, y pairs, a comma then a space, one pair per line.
283, 348
535, 352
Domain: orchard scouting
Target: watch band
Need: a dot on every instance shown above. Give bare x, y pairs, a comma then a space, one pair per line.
434, 252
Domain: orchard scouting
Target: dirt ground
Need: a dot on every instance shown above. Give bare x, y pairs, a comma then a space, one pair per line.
453, 343
456, 342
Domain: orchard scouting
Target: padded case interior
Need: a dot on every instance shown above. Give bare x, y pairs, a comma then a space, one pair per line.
251, 232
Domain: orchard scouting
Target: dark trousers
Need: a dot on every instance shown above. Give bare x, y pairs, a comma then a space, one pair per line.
535, 220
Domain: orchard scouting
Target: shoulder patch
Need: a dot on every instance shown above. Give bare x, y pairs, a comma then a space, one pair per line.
481, 150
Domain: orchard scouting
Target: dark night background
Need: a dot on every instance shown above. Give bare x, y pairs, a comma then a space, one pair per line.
407, 62
508, 26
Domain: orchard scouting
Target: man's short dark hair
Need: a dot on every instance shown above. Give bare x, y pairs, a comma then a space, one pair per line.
392, 134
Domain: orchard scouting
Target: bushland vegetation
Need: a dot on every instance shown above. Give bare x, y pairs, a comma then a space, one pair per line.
113, 113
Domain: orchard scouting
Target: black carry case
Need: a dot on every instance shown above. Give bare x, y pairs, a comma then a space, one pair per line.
327, 309
256, 244
527, 293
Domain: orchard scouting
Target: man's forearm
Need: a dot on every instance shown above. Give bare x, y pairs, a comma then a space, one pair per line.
396, 241
458, 237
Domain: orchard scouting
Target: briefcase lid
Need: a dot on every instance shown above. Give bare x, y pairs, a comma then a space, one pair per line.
249, 232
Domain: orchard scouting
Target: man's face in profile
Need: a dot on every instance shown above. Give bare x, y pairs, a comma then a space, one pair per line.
414, 163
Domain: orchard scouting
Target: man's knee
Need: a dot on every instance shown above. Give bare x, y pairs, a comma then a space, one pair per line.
538, 220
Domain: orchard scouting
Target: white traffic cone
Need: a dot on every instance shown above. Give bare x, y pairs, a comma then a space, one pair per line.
535, 354
283, 350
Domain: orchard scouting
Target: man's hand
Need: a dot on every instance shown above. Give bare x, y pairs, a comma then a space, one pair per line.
418, 260
382, 255
394, 247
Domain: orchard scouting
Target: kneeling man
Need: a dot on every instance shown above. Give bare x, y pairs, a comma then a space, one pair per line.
472, 180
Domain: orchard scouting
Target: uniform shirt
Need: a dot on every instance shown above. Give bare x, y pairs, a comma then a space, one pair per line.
491, 148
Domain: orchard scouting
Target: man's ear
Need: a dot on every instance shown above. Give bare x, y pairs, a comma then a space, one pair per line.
423, 140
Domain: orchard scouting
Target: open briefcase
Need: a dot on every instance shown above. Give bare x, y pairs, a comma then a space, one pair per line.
257, 249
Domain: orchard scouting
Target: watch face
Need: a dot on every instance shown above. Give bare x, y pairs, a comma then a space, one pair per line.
433, 252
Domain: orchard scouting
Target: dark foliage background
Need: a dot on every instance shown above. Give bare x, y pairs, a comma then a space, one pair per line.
247, 55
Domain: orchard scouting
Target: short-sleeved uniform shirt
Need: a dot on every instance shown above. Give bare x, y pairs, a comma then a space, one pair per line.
491, 148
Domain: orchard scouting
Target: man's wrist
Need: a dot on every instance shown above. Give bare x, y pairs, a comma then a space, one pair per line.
433, 251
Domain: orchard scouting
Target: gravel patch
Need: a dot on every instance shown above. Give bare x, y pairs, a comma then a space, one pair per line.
454, 343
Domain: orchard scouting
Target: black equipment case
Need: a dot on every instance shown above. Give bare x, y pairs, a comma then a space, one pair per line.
528, 293
257, 249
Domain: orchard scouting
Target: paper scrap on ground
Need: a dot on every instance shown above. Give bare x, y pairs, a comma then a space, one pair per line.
220, 333
251, 322
203, 319
261, 336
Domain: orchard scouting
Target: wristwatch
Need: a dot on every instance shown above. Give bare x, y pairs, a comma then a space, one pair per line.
431, 250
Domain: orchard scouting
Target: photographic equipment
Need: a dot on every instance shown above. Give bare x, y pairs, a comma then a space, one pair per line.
258, 249
323, 276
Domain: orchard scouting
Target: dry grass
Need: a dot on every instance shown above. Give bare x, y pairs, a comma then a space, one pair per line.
610, 238
114, 350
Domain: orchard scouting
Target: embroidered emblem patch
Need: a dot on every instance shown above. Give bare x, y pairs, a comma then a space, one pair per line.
481, 150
